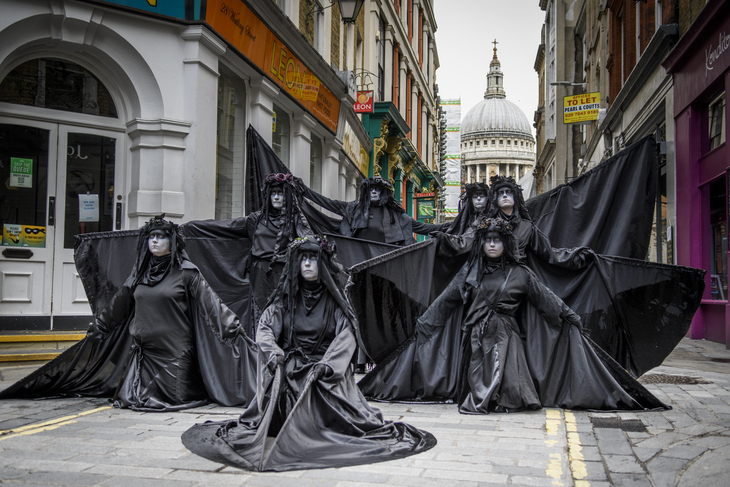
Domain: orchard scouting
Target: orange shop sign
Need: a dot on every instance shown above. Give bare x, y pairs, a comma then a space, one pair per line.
364, 103
240, 26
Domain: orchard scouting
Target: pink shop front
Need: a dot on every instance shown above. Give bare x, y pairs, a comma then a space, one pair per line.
700, 65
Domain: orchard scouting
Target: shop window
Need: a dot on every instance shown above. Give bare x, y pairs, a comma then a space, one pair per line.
315, 164
231, 146
280, 137
718, 240
716, 112
57, 85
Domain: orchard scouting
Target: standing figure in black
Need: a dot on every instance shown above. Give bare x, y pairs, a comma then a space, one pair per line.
477, 347
375, 216
271, 230
506, 202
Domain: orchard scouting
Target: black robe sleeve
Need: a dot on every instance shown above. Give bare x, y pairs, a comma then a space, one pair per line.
114, 315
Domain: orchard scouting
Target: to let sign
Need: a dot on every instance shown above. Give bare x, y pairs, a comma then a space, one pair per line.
581, 108
364, 103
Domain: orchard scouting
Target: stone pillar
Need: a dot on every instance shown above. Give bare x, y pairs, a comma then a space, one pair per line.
263, 94
301, 145
331, 167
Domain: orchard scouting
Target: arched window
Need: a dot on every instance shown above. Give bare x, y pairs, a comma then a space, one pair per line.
58, 85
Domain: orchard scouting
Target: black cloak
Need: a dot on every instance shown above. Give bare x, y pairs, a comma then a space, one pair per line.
270, 231
357, 216
477, 346
637, 311
307, 398
185, 350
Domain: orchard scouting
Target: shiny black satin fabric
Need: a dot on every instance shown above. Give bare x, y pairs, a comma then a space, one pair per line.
609, 209
476, 354
636, 311
224, 355
308, 405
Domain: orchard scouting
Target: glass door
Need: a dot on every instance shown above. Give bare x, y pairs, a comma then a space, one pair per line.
86, 202
27, 197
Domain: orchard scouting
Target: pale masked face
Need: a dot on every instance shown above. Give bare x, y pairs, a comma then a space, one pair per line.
158, 243
493, 246
479, 201
277, 198
308, 266
506, 200
375, 193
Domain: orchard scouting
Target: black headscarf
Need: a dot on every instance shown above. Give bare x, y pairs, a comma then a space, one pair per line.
149, 269
498, 182
478, 261
466, 208
361, 215
284, 220
331, 276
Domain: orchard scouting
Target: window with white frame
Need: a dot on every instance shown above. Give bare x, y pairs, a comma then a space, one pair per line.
716, 112
231, 146
315, 164
280, 134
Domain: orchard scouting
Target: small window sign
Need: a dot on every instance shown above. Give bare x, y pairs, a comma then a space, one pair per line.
88, 208
21, 172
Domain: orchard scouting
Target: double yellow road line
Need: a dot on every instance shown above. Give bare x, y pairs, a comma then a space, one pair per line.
47, 425
556, 421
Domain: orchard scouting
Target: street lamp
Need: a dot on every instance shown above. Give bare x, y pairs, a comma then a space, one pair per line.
349, 9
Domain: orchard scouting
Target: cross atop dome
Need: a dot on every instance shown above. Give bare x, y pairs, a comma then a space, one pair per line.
495, 87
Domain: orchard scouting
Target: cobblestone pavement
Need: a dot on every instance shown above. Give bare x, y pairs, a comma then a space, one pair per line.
85, 442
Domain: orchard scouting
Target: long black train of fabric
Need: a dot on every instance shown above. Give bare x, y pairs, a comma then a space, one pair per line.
505, 344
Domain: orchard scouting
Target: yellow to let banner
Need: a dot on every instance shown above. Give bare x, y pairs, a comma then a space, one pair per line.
581, 108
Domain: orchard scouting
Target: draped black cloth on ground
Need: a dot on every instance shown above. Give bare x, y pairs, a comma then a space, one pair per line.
478, 345
308, 404
634, 310
215, 361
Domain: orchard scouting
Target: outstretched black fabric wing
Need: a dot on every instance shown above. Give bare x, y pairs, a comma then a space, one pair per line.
609, 209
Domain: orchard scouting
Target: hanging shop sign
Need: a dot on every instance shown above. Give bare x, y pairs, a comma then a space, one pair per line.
581, 108
364, 103
426, 209
21, 173
240, 26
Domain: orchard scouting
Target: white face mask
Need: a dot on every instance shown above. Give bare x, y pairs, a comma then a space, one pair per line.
479, 201
506, 200
158, 243
309, 267
277, 198
493, 246
375, 194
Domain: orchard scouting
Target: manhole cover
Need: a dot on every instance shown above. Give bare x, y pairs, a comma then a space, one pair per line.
671, 379
617, 423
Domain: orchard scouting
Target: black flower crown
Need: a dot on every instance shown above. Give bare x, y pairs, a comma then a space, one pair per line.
321, 242
498, 224
278, 178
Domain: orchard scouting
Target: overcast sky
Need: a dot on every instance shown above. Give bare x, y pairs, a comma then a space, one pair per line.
466, 29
